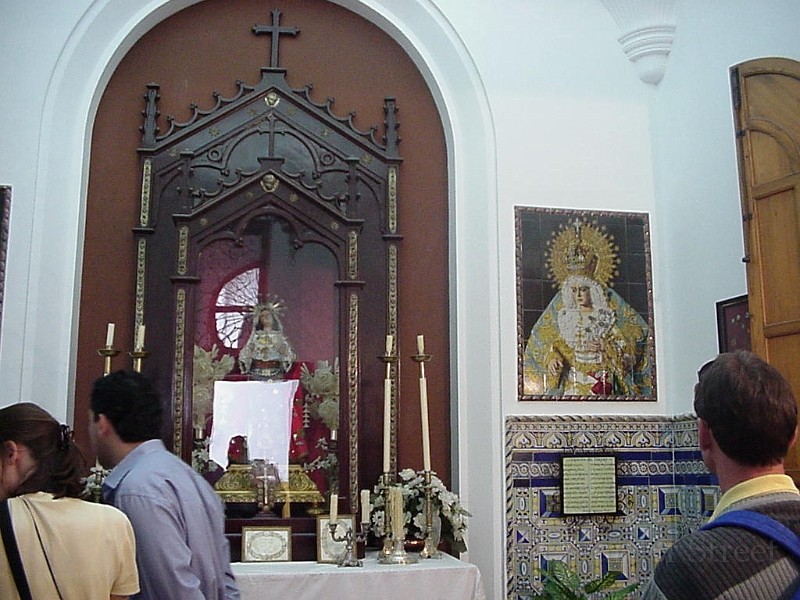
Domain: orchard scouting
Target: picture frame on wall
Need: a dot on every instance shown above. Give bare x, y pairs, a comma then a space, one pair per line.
328, 550
588, 484
585, 328
266, 544
733, 324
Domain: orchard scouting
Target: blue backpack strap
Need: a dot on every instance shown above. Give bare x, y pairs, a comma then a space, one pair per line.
762, 525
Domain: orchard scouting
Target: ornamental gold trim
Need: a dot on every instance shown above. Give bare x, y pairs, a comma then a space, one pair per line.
352, 391
352, 254
183, 249
141, 272
179, 370
392, 199
269, 183
144, 204
393, 292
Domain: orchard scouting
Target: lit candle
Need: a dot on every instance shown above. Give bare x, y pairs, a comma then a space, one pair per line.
110, 335
365, 506
334, 516
139, 345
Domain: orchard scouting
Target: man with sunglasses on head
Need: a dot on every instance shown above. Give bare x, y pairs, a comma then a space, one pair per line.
746, 421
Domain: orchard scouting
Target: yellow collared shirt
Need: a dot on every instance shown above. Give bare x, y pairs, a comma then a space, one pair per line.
765, 484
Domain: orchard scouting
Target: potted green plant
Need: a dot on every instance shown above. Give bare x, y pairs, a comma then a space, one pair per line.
562, 583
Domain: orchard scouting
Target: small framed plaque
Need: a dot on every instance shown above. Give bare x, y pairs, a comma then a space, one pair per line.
733, 324
266, 544
328, 550
588, 484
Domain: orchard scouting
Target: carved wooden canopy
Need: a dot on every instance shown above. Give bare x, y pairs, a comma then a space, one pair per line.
272, 188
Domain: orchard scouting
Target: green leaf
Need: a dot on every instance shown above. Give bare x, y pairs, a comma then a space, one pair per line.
604, 582
563, 574
559, 582
623, 593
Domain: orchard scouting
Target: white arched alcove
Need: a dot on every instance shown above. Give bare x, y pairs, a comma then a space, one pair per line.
47, 318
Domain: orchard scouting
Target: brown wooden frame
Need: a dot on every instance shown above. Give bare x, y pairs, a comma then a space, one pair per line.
733, 324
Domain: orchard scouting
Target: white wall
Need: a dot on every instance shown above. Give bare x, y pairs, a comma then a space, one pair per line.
696, 174
541, 107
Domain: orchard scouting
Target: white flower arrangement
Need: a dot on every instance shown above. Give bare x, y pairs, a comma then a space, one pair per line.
445, 503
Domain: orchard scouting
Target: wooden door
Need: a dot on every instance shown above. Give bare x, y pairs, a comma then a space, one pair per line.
766, 98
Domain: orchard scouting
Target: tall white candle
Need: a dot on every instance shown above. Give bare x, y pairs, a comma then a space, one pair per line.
387, 423
365, 506
423, 407
389, 344
426, 432
334, 516
110, 335
139, 345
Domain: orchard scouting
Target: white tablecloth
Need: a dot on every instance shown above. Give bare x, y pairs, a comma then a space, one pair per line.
431, 579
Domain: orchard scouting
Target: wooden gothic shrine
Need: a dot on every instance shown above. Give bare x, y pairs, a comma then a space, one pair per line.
268, 215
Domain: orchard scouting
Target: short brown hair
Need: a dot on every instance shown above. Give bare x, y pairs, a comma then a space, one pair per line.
749, 407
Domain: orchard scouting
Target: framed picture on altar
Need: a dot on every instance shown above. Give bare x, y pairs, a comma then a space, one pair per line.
266, 544
584, 305
329, 550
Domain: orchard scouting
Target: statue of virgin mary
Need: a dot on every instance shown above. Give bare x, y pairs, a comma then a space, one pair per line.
267, 353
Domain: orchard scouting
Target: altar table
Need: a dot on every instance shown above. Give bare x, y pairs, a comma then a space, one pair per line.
431, 579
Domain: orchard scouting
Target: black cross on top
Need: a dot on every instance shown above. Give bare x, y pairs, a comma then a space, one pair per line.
275, 30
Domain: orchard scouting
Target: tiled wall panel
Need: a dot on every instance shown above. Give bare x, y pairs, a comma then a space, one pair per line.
663, 492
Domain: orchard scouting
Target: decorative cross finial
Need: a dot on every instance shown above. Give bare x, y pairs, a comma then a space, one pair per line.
275, 30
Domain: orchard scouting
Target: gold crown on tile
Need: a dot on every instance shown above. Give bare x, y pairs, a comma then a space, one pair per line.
584, 249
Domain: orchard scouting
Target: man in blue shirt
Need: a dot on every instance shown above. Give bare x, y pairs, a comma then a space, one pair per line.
177, 517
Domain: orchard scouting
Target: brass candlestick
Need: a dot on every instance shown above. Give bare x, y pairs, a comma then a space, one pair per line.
348, 557
107, 353
430, 550
398, 554
384, 484
138, 356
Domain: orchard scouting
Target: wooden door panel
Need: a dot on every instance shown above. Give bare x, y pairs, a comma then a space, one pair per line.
778, 247
766, 98
770, 161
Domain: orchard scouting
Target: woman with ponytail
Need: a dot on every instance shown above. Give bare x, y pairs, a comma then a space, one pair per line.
61, 546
